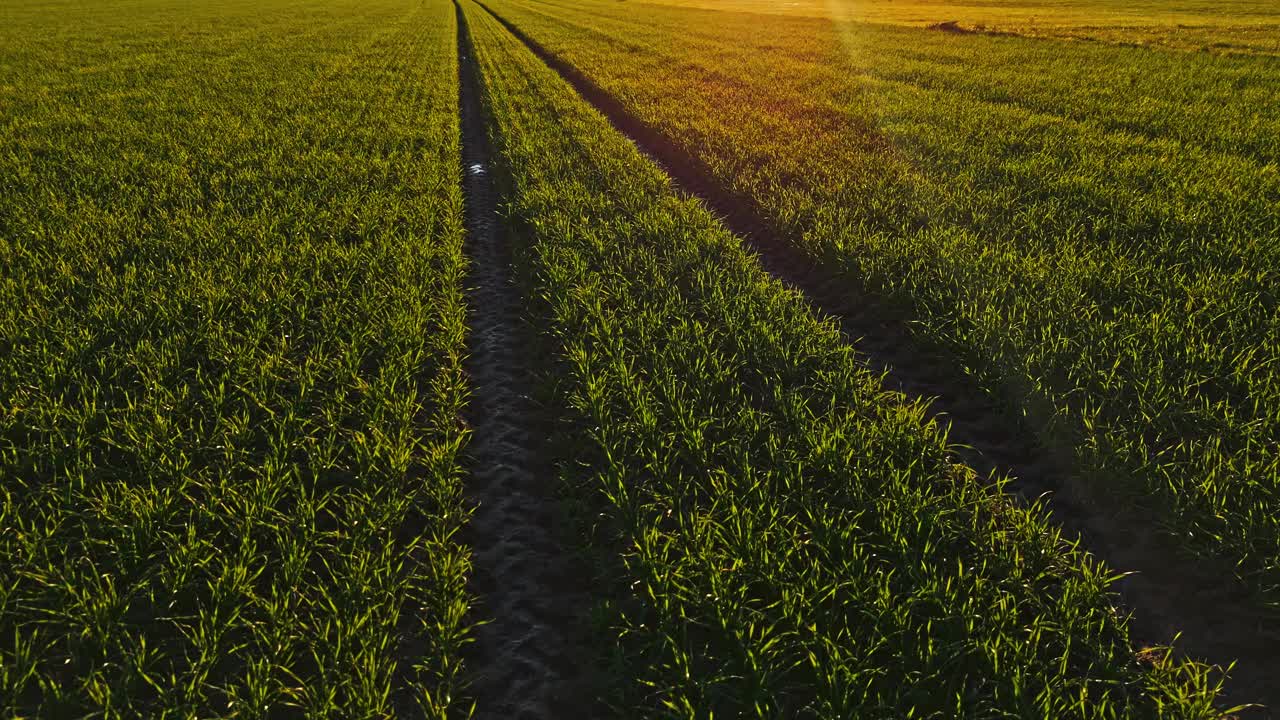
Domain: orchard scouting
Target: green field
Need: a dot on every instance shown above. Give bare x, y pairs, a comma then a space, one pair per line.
231, 325
240, 316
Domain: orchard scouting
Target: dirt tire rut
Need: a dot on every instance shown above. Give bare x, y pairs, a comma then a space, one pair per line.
528, 660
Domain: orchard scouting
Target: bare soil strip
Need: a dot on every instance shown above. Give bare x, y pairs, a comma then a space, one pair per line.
1171, 596
527, 661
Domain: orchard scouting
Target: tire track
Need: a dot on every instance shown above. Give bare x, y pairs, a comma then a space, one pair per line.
1170, 596
528, 660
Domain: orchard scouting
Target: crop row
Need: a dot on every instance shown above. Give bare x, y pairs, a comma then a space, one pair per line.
1086, 229
231, 331
792, 540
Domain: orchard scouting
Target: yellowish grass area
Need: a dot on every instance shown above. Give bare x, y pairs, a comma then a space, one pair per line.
1231, 26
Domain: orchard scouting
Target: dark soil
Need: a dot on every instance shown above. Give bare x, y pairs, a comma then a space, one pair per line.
950, 26
529, 659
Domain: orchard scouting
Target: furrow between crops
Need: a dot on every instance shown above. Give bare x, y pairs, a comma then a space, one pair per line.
526, 662
1171, 597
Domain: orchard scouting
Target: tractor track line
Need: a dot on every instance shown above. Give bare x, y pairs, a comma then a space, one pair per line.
528, 659
1169, 595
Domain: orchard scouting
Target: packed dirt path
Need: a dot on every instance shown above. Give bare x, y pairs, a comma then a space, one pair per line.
1170, 596
528, 661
